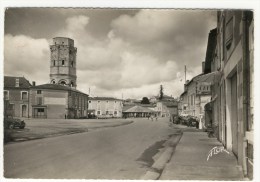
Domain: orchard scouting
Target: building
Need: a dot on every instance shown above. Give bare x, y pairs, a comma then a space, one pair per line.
138, 112
165, 107
59, 99
232, 95
197, 93
106, 106
56, 101
16, 96
63, 62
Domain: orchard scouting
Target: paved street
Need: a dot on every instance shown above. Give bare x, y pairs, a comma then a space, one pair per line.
123, 152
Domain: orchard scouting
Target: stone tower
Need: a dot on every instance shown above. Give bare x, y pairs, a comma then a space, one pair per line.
63, 62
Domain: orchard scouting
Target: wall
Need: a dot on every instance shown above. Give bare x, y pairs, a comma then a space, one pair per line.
106, 105
16, 100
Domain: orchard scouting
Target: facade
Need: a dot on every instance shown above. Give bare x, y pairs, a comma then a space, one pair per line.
63, 62
106, 106
165, 107
55, 101
196, 95
232, 96
16, 96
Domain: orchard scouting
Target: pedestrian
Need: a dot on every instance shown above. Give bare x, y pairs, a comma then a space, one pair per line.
152, 118
148, 116
65, 116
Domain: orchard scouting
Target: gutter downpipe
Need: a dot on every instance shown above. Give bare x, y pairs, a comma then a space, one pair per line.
245, 91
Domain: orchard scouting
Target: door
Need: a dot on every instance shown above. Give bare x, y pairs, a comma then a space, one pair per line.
24, 108
234, 122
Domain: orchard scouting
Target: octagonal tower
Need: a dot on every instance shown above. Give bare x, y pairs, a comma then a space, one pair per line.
63, 62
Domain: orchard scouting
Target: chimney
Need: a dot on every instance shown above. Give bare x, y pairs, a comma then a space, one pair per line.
33, 83
185, 85
17, 82
203, 67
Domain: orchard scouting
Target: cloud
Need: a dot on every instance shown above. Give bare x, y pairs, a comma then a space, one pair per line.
25, 56
139, 53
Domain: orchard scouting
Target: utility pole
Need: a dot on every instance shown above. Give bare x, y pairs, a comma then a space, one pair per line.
185, 73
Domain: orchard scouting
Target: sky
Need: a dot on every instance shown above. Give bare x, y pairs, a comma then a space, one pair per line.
125, 53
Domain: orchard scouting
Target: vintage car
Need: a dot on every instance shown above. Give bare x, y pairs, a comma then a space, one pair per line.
11, 123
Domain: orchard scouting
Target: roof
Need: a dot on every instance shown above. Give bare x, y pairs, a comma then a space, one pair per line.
56, 87
183, 93
126, 107
210, 77
164, 97
139, 109
170, 104
103, 98
9, 82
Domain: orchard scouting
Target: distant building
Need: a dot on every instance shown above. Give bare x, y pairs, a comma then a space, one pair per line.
166, 108
106, 106
16, 96
57, 102
196, 95
138, 111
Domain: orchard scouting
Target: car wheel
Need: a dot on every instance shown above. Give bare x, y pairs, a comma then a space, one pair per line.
11, 126
21, 127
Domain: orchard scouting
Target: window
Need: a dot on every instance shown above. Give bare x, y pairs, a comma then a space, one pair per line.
62, 62
98, 112
39, 92
72, 63
53, 62
17, 82
89, 101
107, 112
229, 33
39, 101
24, 95
115, 112
6, 95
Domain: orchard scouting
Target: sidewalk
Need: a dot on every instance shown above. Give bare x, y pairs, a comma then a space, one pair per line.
189, 162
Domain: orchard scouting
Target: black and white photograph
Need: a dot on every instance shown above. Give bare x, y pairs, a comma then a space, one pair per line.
128, 93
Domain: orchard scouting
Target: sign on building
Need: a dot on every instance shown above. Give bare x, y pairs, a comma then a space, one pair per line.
203, 88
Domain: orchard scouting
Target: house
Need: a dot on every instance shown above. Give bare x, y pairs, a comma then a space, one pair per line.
107, 106
56, 101
232, 95
16, 96
196, 95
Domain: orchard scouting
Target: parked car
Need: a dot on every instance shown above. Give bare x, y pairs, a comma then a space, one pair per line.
11, 123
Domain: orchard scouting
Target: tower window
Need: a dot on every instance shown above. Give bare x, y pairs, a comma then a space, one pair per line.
53, 62
62, 62
63, 83
72, 64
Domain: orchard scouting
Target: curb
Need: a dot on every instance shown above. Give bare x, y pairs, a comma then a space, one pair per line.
155, 172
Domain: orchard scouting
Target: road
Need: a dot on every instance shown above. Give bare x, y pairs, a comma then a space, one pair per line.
123, 152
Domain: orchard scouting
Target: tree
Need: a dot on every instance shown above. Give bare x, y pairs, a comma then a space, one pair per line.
161, 93
145, 100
